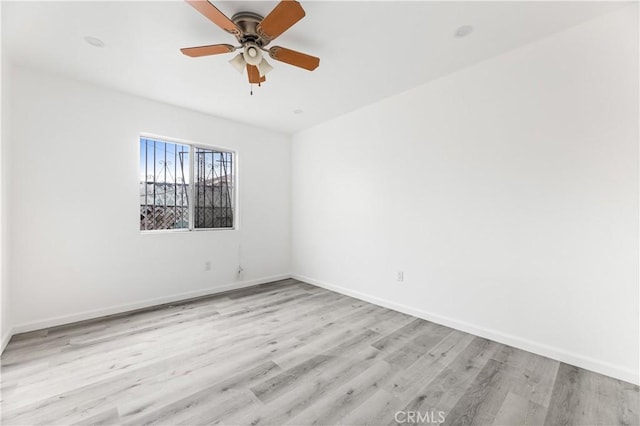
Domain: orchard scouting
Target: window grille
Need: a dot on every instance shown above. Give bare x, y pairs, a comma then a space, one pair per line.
168, 200
213, 187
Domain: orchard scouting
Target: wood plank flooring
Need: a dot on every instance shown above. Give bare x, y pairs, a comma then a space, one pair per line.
291, 353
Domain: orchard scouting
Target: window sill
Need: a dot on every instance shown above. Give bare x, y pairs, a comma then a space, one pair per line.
184, 231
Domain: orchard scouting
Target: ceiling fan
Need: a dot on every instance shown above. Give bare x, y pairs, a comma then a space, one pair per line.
254, 33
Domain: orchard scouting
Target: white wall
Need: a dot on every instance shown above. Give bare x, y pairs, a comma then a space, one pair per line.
76, 248
507, 193
5, 119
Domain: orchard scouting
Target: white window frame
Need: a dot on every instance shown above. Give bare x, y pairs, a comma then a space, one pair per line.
192, 186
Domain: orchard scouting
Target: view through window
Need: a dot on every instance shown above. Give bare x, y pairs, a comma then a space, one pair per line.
169, 200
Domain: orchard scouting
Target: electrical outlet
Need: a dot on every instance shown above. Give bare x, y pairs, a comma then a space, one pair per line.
207, 265
400, 276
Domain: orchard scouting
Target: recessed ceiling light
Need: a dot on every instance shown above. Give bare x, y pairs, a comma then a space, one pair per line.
464, 31
298, 111
94, 41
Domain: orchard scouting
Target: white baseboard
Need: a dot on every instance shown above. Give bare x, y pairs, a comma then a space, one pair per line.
97, 313
558, 354
5, 339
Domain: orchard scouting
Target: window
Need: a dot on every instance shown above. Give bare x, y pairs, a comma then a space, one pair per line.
184, 186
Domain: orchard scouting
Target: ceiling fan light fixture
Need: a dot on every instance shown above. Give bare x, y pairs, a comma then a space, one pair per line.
253, 32
264, 67
238, 63
252, 54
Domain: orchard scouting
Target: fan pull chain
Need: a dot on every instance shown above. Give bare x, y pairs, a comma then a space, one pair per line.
251, 86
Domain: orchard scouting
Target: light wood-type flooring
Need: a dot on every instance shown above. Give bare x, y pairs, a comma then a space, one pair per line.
291, 353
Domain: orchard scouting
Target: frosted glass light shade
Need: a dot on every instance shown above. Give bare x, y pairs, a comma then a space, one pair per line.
238, 63
264, 67
252, 54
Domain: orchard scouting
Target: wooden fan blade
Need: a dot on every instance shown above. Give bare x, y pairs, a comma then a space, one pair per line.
281, 18
214, 49
254, 75
214, 15
294, 58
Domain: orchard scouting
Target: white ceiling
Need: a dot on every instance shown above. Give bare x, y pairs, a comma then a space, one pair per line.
368, 50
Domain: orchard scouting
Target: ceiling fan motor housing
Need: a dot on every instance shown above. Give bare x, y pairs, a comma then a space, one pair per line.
248, 23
